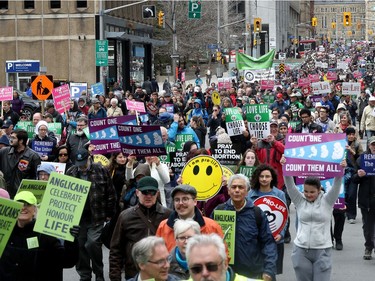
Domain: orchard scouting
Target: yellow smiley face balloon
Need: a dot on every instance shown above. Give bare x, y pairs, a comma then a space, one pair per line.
215, 98
205, 174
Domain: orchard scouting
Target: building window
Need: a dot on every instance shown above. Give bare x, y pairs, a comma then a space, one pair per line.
3, 4
28, 4
55, 4
81, 4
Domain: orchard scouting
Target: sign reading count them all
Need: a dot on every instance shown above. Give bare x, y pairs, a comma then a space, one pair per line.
195, 9
101, 56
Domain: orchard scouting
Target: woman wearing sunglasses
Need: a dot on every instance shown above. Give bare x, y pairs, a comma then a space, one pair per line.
62, 156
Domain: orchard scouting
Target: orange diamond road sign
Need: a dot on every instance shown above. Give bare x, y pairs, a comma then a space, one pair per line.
41, 86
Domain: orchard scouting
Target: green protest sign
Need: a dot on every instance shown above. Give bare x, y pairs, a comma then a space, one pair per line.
62, 206
234, 121
170, 147
55, 127
227, 221
268, 99
181, 139
247, 170
9, 211
28, 127
258, 117
36, 187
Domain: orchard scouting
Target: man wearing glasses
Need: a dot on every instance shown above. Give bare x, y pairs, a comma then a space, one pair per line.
153, 260
307, 125
132, 225
184, 200
207, 260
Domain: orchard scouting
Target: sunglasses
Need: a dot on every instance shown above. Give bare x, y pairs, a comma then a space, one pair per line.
63, 154
210, 266
147, 192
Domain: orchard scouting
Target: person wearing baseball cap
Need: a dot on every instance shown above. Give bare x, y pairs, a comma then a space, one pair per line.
184, 201
280, 104
29, 255
132, 225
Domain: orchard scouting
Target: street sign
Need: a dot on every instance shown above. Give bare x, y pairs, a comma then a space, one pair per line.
42, 86
175, 56
18, 66
101, 56
168, 69
148, 11
195, 9
212, 46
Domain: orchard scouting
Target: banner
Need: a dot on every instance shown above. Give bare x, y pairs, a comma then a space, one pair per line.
247, 62
62, 206
227, 221
36, 187
275, 210
234, 121
316, 155
61, 98
135, 105
258, 120
250, 76
6, 93
141, 140
351, 88
8, 218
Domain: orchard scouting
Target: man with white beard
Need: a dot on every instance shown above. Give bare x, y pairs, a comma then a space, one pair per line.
78, 139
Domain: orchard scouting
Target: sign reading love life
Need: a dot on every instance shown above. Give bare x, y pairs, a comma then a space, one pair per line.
316, 155
234, 121
258, 119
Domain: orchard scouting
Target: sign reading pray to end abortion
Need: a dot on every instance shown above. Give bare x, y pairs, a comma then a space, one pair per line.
316, 155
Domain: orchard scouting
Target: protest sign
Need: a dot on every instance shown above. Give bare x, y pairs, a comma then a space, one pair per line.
141, 140
42, 147
97, 89
234, 121
205, 174
99, 158
267, 84
331, 75
61, 98
275, 210
59, 167
28, 127
135, 105
177, 161
351, 88
250, 76
9, 211
314, 78
169, 147
247, 171
226, 154
6, 93
302, 82
36, 187
227, 172
258, 117
216, 98
62, 206
227, 221
181, 139
319, 88
368, 164
316, 155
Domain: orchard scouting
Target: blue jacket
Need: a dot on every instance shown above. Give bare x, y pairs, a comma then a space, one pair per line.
255, 194
200, 111
255, 249
174, 130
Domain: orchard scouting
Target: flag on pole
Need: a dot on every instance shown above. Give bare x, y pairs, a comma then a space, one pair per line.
245, 62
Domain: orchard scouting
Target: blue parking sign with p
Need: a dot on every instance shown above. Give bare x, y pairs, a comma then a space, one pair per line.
76, 89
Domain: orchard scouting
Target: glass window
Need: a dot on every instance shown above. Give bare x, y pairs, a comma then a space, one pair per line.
3, 5
81, 4
29, 4
55, 4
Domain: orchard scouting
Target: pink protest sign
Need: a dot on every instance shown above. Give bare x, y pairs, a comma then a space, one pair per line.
302, 82
357, 74
314, 154
135, 105
314, 78
331, 75
267, 84
6, 93
61, 98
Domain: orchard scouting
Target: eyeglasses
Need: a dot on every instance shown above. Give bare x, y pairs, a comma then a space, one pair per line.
182, 200
183, 238
147, 192
43, 130
210, 266
63, 154
163, 261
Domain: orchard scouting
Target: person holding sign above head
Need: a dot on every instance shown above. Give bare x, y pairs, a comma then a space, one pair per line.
207, 260
178, 127
32, 256
366, 197
264, 183
311, 255
255, 253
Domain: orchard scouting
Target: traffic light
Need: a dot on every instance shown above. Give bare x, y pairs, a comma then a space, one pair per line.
333, 25
248, 27
255, 42
218, 56
161, 19
314, 21
347, 19
257, 25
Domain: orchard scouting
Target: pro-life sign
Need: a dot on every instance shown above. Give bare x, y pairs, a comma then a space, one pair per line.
234, 121
351, 88
258, 119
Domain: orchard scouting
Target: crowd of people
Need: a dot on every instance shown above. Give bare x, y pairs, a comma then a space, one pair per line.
157, 227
